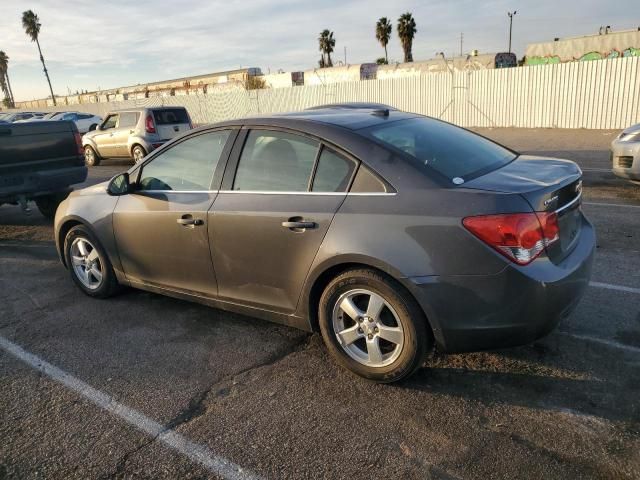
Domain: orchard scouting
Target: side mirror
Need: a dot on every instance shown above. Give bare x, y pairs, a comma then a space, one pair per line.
93, 127
119, 185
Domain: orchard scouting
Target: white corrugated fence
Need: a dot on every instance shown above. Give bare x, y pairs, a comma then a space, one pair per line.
600, 94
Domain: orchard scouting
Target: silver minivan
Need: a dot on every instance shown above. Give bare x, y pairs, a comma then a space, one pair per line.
133, 133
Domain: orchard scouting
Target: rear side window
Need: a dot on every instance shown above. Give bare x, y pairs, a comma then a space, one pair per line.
128, 119
170, 116
189, 165
276, 162
333, 172
447, 149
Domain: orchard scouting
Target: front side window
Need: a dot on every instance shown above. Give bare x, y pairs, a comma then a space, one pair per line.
445, 148
276, 162
187, 166
128, 119
333, 172
110, 122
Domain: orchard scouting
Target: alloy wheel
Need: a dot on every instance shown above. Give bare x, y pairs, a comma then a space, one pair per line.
86, 263
89, 156
368, 328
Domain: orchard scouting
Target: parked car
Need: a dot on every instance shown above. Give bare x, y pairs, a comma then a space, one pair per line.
39, 161
134, 133
85, 122
625, 154
21, 116
389, 232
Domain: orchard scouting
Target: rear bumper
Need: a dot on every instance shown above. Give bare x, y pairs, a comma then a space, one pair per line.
513, 307
625, 159
40, 183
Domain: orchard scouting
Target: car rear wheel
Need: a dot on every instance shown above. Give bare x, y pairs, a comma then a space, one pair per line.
88, 263
48, 204
372, 326
90, 157
138, 153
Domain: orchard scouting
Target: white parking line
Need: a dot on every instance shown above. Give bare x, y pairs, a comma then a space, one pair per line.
195, 452
619, 288
598, 204
603, 341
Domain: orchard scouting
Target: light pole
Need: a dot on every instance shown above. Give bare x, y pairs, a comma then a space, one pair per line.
511, 15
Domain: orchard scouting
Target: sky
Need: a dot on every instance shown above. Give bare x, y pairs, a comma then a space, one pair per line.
89, 44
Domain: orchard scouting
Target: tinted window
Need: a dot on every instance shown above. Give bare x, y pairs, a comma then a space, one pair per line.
189, 165
170, 116
333, 172
276, 162
128, 119
110, 122
445, 148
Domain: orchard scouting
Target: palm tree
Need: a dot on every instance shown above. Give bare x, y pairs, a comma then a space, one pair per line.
31, 25
383, 34
406, 32
5, 84
326, 43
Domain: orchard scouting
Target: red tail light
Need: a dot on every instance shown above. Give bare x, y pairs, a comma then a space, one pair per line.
149, 125
521, 237
78, 138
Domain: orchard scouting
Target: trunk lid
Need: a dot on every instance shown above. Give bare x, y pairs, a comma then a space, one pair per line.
548, 185
171, 122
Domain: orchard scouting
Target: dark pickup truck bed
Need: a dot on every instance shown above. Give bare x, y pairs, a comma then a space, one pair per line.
39, 161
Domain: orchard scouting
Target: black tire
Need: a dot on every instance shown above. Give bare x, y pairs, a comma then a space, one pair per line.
417, 336
91, 158
109, 285
138, 153
48, 204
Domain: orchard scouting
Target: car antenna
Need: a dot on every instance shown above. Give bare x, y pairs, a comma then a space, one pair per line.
382, 112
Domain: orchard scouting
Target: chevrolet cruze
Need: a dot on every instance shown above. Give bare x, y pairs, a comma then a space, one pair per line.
392, 233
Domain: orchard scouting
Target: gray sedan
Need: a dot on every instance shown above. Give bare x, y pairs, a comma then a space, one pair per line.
391, 233
625, 153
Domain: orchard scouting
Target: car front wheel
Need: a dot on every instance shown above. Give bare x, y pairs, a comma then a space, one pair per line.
373, 327
90, 157
88, 263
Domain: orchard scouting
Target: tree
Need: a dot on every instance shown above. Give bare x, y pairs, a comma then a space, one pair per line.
406, 32
383, 34
326, 43
31, 24
5, 84
4, 77
381, 61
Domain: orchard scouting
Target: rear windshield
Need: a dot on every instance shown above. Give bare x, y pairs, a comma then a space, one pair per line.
449, 150
170, 116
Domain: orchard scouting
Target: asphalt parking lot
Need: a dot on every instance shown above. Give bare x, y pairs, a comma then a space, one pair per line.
146, 386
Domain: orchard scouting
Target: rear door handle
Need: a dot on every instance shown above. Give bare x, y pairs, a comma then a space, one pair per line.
298, 224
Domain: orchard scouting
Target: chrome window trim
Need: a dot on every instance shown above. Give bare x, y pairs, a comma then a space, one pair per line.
571, 203
259, 192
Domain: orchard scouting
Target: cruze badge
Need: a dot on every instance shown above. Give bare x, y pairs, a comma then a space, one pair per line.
550, 201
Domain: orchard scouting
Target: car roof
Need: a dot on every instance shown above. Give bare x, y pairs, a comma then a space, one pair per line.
141, 109
352, 116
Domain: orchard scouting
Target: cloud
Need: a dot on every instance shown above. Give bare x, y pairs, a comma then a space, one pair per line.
87, 43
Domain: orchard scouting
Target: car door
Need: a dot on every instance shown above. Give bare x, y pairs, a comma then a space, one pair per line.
267, 226
104, 136
161, 228
126, 124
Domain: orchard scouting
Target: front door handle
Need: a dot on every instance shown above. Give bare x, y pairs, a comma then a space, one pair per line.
189, 221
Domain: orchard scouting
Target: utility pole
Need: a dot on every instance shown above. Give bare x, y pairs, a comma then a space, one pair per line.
461, 40
511, 15
345, 54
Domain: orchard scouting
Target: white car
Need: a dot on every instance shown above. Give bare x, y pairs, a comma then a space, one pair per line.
84, 121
